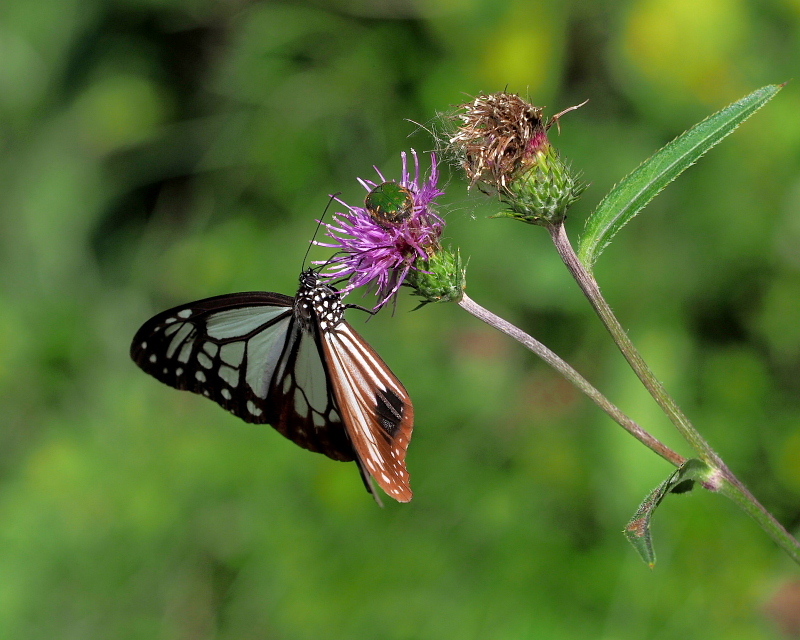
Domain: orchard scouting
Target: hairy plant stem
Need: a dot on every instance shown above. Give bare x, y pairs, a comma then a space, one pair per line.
730, 485
573, 376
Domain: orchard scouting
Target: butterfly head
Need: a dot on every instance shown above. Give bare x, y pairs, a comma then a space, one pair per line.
309, 279
317, 304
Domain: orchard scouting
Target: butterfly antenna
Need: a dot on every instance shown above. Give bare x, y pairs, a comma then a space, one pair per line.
336, 257
319, 224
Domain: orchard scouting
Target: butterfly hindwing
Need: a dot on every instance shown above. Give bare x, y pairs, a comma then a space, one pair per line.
302, 396
376, 408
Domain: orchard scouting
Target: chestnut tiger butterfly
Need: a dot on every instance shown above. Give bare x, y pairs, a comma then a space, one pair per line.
293, 363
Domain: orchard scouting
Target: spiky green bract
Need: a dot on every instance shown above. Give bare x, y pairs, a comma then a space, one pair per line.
544, 192
442, 278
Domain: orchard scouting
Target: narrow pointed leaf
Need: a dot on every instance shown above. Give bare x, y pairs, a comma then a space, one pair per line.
637, 531
640, 186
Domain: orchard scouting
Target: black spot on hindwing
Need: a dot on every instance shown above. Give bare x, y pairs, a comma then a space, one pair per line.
389, 407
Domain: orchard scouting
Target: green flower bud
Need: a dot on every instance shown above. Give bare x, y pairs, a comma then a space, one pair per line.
442, 278
544, 192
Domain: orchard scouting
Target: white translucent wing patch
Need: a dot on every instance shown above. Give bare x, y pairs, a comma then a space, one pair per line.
234, 323
263, 352
179, 333
310, 376
232, 353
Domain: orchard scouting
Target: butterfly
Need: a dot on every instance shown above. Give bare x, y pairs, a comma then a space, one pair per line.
294, 363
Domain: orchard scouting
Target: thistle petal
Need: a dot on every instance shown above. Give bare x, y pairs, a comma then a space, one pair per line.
379, 251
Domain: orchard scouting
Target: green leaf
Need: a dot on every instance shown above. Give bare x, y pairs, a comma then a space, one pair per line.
681, 480
639, 187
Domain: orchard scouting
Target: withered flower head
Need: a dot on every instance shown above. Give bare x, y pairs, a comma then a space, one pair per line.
500, 140
498, 137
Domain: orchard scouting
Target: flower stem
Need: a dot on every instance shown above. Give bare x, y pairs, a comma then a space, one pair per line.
591, 289
730, 485
573, 376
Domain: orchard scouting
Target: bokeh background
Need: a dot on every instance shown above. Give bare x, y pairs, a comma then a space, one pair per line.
158, 151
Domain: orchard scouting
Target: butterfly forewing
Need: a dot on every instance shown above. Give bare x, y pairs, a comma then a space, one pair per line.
375, 406
245, 351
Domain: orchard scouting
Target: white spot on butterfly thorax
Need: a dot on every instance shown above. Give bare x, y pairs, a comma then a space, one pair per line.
317, 302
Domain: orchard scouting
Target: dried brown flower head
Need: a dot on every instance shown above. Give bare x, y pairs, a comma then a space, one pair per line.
497, 136
500, 140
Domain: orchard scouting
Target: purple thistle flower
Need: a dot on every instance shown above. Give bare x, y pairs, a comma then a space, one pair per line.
381, 241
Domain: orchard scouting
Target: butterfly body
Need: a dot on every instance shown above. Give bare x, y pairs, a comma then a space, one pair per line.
294, 363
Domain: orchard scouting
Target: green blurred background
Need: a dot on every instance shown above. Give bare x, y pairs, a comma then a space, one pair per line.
159, 151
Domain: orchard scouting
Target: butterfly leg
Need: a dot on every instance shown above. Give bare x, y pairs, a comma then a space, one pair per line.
360, 308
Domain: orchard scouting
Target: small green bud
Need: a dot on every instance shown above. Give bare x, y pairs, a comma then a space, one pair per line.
544, 192
442, 278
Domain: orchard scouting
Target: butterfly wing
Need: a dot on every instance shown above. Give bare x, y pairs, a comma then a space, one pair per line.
247, 352
376, 408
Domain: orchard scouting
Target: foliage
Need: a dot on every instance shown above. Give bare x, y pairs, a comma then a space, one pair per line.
156, 152
633, 193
